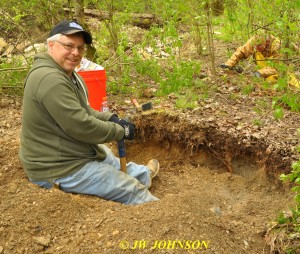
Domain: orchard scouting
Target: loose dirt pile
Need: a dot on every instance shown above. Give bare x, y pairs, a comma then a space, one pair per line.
203, 208
218, 185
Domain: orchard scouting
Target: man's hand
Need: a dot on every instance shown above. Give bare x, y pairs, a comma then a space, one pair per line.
114, 118
256, 74
237, 68
225, 66
129, 129
128, 126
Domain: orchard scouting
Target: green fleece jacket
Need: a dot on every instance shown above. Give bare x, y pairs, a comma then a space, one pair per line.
60, 131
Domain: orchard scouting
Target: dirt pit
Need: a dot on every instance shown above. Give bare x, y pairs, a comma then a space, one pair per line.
202, 207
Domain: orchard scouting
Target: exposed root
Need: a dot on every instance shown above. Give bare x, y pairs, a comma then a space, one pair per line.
282, 238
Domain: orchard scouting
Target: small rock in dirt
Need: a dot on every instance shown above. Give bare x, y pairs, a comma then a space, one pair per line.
216, 210
149, 93
239, 127
237, 118
246, 244
4, 103
231, 89
109, 244
3, 123
12, 188
44, 241
1, 249
256, 135
18, 104
116, 232
235, 223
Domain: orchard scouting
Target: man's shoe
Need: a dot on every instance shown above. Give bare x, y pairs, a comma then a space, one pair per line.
153, 166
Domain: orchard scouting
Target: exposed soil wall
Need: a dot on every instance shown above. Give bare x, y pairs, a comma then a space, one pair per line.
198, 134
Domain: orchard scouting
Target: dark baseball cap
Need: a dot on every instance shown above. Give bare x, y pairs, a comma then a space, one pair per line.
71, 27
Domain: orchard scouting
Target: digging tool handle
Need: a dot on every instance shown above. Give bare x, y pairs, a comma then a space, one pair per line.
136, 104
134, 101
122, 155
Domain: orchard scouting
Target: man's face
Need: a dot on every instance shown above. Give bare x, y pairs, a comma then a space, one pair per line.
67, 51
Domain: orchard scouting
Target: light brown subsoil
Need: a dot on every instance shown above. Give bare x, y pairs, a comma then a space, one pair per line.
203, 208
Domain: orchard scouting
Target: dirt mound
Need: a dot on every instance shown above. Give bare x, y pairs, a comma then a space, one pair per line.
202, 207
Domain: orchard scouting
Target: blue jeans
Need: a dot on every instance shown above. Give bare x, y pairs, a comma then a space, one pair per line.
104, 179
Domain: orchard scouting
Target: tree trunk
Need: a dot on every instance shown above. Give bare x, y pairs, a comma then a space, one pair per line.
210, 39
218, 7
79, 12
80, 18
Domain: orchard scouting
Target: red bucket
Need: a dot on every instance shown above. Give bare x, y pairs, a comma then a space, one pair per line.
96, 84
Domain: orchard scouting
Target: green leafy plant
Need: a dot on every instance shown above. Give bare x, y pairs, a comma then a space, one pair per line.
294, 177
179, 76
187, 101
292, 100
258, 122
278, 113
12, 77
149, 68
247, 89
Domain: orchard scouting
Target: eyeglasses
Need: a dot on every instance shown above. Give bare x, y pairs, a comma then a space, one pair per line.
71, 47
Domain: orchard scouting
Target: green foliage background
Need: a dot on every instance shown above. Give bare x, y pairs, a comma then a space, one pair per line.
239, 19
